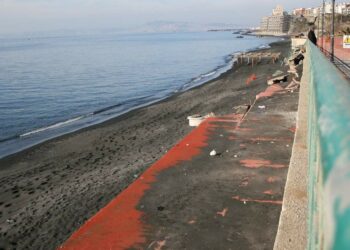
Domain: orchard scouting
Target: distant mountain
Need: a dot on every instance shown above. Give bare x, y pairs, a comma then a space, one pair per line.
170, 26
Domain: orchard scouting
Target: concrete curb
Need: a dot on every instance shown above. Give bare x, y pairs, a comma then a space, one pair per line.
292, 229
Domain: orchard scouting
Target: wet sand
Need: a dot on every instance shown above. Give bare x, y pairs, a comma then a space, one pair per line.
51, 189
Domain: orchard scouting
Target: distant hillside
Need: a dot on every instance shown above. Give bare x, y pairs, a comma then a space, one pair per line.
170, 26
300, 24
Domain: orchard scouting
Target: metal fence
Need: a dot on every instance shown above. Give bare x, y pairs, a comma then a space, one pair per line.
341, 55
329, 154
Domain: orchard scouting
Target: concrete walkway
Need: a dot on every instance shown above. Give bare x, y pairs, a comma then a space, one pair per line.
339, 51
292, 230
191, 200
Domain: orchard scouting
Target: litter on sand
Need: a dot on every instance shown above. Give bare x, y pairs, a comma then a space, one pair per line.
293, 85
262, 107
196, 120
242, 109
251, 78
277, 73
283, 78
213, 153
270, 91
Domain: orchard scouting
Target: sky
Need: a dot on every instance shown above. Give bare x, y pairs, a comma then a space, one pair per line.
25, 16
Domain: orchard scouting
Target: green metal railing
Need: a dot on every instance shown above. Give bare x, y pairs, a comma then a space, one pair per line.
329, 154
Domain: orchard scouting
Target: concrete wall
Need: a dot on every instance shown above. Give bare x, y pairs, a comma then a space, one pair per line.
292, 229
329, 155
324, 107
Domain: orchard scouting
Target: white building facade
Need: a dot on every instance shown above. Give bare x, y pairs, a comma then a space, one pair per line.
340, 8
278, 23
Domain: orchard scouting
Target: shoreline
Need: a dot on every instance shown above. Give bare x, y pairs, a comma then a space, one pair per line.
57, 135
51, 189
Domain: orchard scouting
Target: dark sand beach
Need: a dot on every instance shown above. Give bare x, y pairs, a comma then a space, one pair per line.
50, 190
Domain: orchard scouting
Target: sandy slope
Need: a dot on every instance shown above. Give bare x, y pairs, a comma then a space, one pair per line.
47, 192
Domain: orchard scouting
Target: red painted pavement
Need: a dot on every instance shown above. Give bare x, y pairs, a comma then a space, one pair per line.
119, 225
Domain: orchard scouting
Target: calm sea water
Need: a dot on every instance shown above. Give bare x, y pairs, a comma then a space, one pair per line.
54, 85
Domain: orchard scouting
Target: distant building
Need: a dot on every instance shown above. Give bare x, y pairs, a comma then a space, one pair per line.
328, 8
308, 12
317, 11
346, 9
299, 12
264, 23
278, 11
278, 23
340, 8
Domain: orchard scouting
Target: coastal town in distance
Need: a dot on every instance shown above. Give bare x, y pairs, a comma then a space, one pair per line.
189, 124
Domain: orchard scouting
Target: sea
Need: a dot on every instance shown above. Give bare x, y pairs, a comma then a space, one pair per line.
52, 85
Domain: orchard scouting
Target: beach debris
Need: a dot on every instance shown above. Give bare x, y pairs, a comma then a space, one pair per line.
293, 85
211, 114
235, 156
262, 107
213, 153
293, 70
191, 222
246, 113
270, 91
273, 179
221, 135
269, 192
195, 120
223, 212
280, 79
244, 182
160, 208
160, 245
292, 129
277, 73
9, 221
298, 59
251, 78
242, 109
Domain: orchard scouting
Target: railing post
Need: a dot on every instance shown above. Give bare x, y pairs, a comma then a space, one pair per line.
322, 33
332, 31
